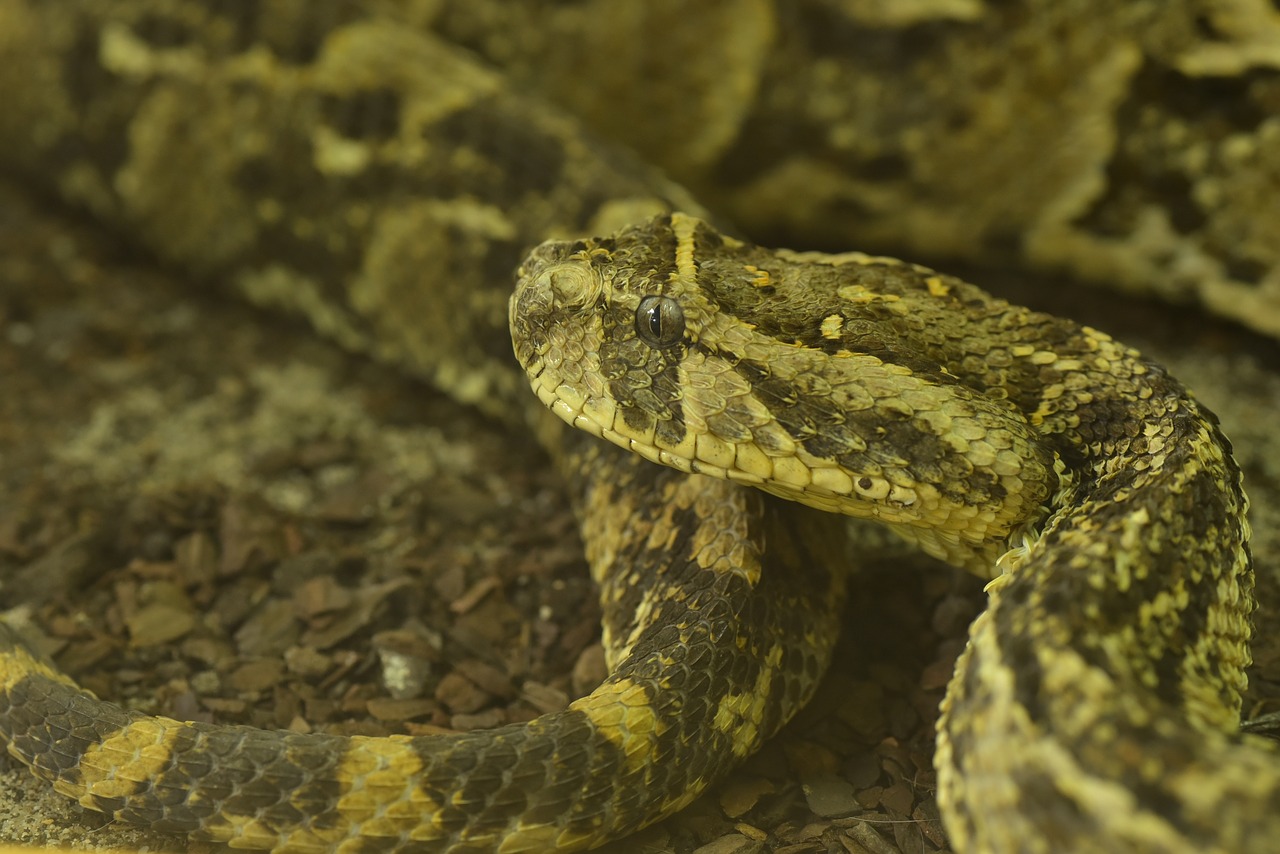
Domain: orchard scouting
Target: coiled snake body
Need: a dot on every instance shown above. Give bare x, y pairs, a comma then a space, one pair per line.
1098, 697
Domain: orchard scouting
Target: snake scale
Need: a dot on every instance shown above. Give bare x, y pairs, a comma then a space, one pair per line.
334, 158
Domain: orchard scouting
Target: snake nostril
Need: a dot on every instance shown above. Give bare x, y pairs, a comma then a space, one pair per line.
571, 286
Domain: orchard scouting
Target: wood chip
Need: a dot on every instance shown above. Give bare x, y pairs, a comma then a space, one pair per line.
358, 614
319, 596
589, 670
269, 630
870, 796
224, 705
256, 676
196, 558
482, 588
355, 500
250, 536
930, 822
545, 698
733, 843
307, 662
391, 709
899, 798
860, 838
483, 720
492, 680
460, 695
159, 623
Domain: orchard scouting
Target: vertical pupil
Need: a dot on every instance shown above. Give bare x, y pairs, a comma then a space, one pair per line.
659, 321
655, 321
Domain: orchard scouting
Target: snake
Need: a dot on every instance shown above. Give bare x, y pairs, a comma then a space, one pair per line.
1097, 700
1098, 697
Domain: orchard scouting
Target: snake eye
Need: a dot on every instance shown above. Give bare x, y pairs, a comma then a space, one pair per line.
659, 321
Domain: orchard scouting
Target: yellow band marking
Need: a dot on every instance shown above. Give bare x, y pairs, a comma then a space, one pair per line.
685, 228
622, 713
739, 715
136, 754
832, 326
759, 278
17, 664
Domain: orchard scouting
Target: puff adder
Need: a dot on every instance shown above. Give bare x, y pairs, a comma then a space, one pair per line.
341, 163
1096, 704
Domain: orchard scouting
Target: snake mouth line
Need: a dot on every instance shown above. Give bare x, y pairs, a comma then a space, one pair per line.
822, 486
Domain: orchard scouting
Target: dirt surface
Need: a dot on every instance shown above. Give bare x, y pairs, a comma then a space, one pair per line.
211, 514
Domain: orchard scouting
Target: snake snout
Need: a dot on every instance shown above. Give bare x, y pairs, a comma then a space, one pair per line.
549, 287
565, 287
550, 312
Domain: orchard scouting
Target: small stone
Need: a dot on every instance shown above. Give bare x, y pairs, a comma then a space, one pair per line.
742, 793
404, 675
206, 682
830, 796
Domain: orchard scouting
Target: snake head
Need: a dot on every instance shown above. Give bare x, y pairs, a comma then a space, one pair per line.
602, 327
817, 378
